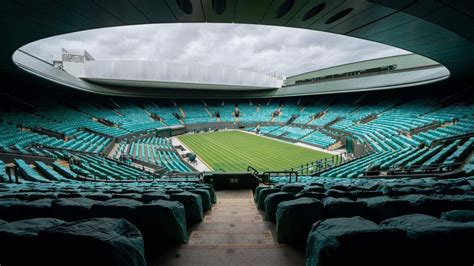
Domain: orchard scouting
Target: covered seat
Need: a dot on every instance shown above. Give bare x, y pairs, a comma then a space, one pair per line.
309, 194
72, 209
22, 210
429, 205
294, 219
272, 201
262, 195
462, 216
381, 208
205, 197
98, 241
20, 242
353, 241
161, 222
343, 207
155, 195
192, 205
433, 241
115, 208
294, 188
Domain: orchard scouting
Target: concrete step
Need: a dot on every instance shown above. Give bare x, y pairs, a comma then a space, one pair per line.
63, 163
234, 227
233, 233
233, 219
236, 212
234, 205
262, 255
235, 201
210, 238
242, 194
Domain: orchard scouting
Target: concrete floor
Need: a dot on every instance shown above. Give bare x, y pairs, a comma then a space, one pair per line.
233, 233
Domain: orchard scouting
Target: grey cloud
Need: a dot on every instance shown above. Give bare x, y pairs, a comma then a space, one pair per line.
258, 48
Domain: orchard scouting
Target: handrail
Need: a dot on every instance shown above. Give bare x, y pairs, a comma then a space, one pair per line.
255, 171
318, 166
415, 169
285, 173
438, 167
452, 138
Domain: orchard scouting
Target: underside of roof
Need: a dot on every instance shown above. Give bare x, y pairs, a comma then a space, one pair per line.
437, 29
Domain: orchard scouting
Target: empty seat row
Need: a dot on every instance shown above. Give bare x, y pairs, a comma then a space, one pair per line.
161, 212
415, 239
376, 200
50, 241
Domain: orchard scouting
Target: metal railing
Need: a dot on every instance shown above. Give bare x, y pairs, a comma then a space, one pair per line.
255, 171
452, 138
315, 167
395, 170
175, 177
266, 177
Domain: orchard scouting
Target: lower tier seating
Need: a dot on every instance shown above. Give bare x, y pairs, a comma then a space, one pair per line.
372, 221
422, 239
374, 199
161, 212
50, 241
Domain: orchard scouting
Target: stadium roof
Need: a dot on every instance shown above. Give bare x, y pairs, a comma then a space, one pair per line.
440, 30
161, 74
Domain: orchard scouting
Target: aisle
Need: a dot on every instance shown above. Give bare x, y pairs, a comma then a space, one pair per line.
234, 233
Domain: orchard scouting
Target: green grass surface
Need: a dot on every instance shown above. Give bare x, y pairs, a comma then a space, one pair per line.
232, 151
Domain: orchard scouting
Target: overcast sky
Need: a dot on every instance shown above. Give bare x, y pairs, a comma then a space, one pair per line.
258, 48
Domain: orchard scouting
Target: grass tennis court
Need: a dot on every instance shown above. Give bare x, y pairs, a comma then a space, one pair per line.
231, 151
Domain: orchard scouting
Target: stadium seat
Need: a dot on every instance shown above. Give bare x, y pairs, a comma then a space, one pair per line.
72, 209
344, 207
264, 193
192, 206
462, 216
272, 201
21, 244
101, 241
355, 240
381, 208
434, 241
115, 208
161, 222
294, 219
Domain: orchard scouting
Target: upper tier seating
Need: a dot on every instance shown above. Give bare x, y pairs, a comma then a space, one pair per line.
225, 110
287, 110
246, 112
334, 112
311, 109
263, 112
196, 113
165, 110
